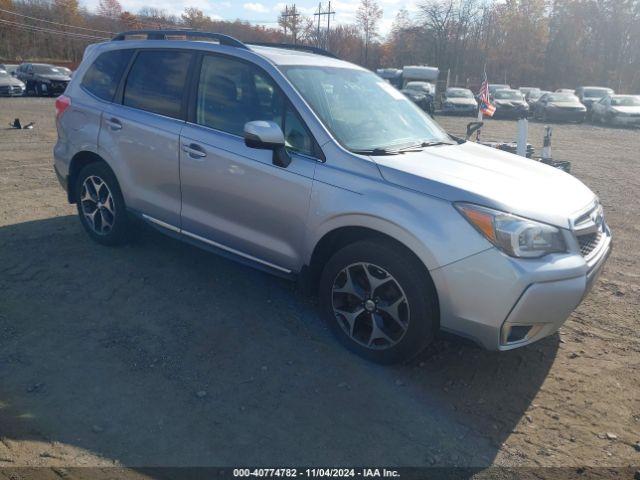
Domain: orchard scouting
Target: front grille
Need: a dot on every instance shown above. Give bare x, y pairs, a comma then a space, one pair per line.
589, 242
590, 231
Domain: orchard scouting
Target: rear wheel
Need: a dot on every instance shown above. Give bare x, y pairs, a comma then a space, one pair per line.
378, 301
101, 206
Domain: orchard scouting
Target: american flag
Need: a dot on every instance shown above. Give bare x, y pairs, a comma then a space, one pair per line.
485, 104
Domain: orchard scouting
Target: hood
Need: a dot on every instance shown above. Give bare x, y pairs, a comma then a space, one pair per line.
490, 177
461, 101
566, 105
623, 109
56, 77
511, 103
4, 81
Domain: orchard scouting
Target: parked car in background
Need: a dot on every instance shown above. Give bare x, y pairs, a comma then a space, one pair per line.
65, 70
565, 90
527, 90
10, 68
43, 79
559, 107
533, 96
590, 95
493, 87
623, 110
422, 94
330, 176
10, 86
391, 75
509, 104
459, 101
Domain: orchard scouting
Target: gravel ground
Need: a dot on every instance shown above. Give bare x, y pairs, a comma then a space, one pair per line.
161, 354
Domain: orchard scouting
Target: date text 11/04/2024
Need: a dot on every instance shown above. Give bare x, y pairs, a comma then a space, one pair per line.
316, 472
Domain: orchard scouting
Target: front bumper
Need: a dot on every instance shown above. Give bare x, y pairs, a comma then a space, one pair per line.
11, 91
566, 115
625, 121
459, 109
54, 88
503, 303
510, 112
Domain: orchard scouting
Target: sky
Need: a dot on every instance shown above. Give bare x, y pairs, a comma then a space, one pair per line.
265, 12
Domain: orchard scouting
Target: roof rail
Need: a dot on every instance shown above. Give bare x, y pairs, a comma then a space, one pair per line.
188, 34
291, 46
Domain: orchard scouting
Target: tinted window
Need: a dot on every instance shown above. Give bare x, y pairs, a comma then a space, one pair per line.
103, 76
156, 82
232, 93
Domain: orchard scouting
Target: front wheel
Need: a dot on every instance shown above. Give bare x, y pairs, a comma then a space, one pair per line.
378, 301
101, 205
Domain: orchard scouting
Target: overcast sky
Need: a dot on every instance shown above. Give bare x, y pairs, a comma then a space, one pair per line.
266, 11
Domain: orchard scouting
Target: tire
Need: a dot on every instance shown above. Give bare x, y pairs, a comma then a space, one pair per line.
110, 224
408, 292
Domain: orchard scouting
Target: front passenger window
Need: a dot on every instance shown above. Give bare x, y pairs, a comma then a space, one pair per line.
232, 93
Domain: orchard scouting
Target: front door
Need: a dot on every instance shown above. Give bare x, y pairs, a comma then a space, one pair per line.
233, 196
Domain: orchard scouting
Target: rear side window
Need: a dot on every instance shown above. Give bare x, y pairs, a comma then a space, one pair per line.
156, 82
103, 76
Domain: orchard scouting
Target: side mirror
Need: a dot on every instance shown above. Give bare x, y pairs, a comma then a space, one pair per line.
267, 135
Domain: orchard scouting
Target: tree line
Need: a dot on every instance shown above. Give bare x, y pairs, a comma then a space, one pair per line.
546, 43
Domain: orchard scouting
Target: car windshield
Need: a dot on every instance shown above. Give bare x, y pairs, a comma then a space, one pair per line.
423, 87
508, 95
459, 94
596, 92
563, 97
630, 101
361, 110
46, 70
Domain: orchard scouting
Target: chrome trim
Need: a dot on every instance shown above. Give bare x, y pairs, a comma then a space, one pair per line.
161, 223
234, 251
212, 243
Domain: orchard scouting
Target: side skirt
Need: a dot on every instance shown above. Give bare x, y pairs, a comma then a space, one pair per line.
216, 248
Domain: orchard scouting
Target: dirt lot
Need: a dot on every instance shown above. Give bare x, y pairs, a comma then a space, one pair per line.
162, 354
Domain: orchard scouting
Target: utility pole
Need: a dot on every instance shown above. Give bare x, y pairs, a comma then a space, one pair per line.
319, 14
293, 13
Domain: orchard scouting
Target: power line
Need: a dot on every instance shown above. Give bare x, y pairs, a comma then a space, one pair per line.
53, 23
33, 28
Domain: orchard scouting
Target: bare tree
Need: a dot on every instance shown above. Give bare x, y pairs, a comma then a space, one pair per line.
368, 17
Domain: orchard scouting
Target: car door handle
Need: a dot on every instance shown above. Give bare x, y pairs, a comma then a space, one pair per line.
194, 150
114, 124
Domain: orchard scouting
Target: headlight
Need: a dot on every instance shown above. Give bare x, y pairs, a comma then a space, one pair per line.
515, 236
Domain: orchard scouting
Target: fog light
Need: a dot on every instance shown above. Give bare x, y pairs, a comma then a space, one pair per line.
516, 333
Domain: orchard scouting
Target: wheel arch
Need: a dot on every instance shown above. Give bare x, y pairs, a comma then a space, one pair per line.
78, 162
333, 238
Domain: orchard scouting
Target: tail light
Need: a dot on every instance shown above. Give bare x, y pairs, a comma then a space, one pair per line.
62, 103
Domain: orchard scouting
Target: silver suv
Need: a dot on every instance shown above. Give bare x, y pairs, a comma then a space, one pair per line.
313, 168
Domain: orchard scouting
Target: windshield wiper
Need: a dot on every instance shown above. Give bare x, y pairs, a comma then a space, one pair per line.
415, 147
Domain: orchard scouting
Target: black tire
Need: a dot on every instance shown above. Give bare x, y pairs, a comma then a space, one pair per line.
416, 284
119, 232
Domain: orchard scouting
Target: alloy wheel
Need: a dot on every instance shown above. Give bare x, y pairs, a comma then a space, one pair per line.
97, 205
370, 306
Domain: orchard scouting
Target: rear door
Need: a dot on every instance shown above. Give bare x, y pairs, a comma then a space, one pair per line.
141, 134
233, 196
